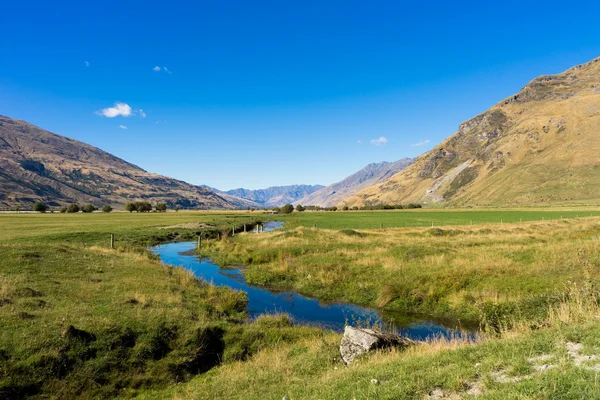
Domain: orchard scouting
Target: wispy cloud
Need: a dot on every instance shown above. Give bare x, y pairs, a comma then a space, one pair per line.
359, 142
421, 143
164, 69
87, 63
122, 127
119, 109
379, 141
142, 113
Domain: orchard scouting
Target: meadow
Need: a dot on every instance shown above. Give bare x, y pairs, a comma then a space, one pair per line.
426, 217
81, 320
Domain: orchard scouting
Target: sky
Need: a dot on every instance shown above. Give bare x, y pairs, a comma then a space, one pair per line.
263, 93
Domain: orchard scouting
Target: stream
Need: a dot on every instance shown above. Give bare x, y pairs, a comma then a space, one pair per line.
302, 309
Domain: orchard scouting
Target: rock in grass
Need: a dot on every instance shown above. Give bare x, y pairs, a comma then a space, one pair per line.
357, 341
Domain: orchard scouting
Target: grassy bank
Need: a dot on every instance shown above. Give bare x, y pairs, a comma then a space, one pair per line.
467, 272
559, 361
80, 320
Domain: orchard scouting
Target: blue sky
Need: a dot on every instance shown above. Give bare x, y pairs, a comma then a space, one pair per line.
261, 93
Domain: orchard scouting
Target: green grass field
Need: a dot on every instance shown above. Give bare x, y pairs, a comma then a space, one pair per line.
423, 218
79, 320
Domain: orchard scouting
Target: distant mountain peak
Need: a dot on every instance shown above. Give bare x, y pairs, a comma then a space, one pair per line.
369, 175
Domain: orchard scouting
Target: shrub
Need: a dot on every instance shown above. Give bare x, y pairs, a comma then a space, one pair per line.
88, 208
299, 208
107, 208
287, 209
73, 208
161, 207
40, 206
143, 206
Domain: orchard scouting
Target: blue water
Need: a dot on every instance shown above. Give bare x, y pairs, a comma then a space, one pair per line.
303, 310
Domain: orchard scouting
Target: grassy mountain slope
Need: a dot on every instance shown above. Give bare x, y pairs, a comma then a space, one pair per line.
366, 177
537, 147
37, 164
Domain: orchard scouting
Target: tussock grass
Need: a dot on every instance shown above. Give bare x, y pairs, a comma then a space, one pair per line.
476, 273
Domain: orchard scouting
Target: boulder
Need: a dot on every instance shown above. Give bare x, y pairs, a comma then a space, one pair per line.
357, 341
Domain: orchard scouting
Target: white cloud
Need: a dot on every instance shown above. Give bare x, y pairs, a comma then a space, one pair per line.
421, 143
120, 109
165, 69
87, 63
381, 140
122, 127
142, 113
359, 142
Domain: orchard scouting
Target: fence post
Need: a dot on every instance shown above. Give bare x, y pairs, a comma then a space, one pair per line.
244, 228
112, 240
233, 231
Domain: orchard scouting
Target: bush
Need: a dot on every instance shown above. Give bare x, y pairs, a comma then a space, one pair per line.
63, 209
143, 206
299, 208
287, 209
107, 208
88, 208
276, 210
131, 207
161, 207
73, 208
346, 208
40, 206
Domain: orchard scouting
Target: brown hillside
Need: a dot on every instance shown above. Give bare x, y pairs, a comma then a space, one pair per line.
36, 164
540, 146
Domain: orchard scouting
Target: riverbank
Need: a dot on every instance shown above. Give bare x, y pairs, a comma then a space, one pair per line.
485, 273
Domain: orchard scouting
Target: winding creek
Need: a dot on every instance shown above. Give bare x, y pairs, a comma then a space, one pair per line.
303, 310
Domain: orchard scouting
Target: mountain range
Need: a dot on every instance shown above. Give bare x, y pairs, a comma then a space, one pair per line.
539, 146
366, 177
273, 196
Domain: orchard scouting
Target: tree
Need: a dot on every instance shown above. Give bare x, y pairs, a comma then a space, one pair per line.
276, 210
88, 208
143, 206
287, 209
161, 207
346, 208
299, 208
107, 208
63, 209
73, 208
177, 208
40, 206
131, 207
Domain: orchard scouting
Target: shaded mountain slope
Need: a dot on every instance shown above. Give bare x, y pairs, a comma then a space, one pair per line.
539, 146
